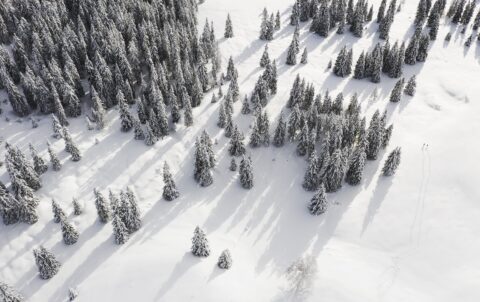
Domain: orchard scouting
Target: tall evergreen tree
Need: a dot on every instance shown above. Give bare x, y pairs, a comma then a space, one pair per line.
58, 213
411, 87
246, 173
48, 265
103, 208
170, 191
200, 246
56, 165
236, 147
69, 233
357, 164
311, 179
38, 162
265, 60
392, 162
228, 28
318, 204
396, 94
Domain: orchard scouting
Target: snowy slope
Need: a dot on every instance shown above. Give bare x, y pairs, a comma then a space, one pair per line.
412, 237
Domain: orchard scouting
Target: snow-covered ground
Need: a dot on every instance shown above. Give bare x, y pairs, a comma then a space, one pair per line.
412, 237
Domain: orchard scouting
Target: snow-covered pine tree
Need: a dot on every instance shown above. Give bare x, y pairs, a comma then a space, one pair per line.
228, 28
245, 106
69, 233
334, 172
277, 21
72, 294
392, 162
233, 165
57, 127
188, 114
214, 98
381, 11
304, 59
150, 138
125, 116
8, 293
170, 191
386, 137
103, 208
48, 265
357, 164
359, 72
56, 165
396, 93
138, 131
318, 204
303, 141
200, 247
411, 87
9, 206
134, 221
58, 213
231, 70
280, 132
225, 260
70, 146
236, 147
38, 163
202, 164
374, 137
77, 208
120, 231
246, 173
311, 179
292, 53
265, 60
423, 48
255, 137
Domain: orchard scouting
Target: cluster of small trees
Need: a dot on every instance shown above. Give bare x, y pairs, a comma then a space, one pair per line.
201, 248
270, 24
123, 211
151, 57
383, 59
328, 15
460, 11
294, 50
20, 204
345, 140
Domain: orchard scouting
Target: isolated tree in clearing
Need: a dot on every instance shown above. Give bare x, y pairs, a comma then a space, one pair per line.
200, 247
69, 233
392, 162
225, 260
228, 28
47, 264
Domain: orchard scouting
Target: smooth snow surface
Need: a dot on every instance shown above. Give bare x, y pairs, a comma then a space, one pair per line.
412, 237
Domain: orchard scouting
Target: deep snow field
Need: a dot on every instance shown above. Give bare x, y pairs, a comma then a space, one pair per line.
411, 237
